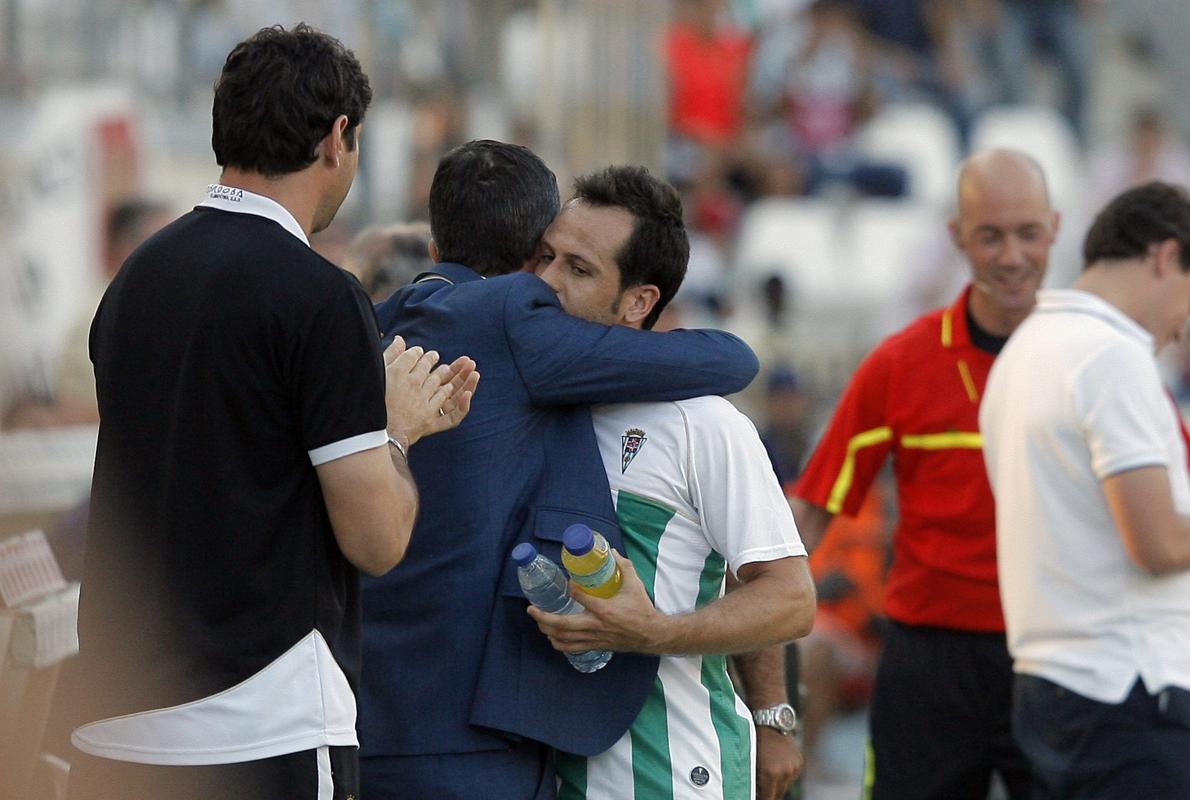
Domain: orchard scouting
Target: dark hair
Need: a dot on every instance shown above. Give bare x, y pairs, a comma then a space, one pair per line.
489, 204
657, 250
278, 96
1137, 218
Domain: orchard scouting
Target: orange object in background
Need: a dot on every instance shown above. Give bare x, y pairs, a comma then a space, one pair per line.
850, 563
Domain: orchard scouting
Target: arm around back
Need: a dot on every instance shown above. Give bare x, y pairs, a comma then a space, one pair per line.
565, 360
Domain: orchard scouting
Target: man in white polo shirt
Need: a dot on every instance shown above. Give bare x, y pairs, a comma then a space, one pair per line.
1089, 470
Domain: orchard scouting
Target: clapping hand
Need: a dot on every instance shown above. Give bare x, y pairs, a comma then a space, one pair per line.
422, 396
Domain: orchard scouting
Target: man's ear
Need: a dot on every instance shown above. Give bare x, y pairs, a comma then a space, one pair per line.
636, 303
952, 225
1166, 256
435, 256
334, 144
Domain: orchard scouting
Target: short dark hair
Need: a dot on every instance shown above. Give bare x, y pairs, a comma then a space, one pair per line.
278, 96
489, 204
1137, 218
658, 249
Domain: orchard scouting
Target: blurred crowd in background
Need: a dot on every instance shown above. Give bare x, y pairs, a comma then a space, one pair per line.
815, 143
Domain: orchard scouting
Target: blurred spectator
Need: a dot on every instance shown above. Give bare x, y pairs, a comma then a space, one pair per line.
708, 71
386, 258
709, 155
1150, 151
829, 83
786, 434
1055, 30
73, 401
764, 320
825, 91
919, 54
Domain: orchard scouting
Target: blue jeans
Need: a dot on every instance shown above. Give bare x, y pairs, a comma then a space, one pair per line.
1081, 749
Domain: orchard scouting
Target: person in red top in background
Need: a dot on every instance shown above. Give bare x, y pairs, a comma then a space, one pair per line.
708, 74
940, 717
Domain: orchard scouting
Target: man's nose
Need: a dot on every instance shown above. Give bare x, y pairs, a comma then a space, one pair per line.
550, 276
1014, 253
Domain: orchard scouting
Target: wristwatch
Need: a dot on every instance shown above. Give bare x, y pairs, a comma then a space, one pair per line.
780, 717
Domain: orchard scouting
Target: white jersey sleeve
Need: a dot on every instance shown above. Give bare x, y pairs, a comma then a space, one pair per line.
744, 513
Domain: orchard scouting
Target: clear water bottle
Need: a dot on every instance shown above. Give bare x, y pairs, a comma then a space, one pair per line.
548, 588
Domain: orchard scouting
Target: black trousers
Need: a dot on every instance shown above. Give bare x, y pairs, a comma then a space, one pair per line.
1082, 749
941, 717
294, 776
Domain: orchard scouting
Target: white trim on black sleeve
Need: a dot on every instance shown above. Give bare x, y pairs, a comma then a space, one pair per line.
348, 446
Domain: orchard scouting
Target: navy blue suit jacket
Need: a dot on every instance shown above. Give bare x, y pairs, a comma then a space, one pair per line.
452, 663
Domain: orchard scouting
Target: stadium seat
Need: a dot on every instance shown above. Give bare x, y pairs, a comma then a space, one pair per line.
1043, 133
882, 240
795, 238
885, 242
919, 137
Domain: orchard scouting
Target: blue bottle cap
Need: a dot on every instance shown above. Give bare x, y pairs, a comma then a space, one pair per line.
578, 539
523, 554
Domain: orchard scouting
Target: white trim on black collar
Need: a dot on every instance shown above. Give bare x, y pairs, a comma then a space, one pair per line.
241, 201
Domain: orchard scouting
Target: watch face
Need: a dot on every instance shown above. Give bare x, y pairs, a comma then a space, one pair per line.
786, 718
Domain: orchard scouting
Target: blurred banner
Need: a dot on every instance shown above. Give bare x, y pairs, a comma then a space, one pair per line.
57, 174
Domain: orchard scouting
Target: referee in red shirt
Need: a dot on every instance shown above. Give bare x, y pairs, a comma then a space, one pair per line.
940, 716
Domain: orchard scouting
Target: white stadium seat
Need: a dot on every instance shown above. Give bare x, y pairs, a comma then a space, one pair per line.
921, 138
795, 238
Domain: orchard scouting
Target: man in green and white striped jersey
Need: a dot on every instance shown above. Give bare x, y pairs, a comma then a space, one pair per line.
695, 497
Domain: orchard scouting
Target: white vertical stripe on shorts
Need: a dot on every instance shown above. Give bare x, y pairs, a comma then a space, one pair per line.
326, 781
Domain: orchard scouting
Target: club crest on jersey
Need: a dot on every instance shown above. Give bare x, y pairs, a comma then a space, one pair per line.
630, 444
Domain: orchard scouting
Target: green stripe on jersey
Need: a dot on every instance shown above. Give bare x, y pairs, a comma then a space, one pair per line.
642, 521
735, 759
710, 582
652, 770
732, 730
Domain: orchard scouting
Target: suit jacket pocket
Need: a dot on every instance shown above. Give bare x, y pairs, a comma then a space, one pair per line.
544, 531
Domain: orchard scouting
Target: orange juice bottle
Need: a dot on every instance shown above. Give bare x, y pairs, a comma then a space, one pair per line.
588, 558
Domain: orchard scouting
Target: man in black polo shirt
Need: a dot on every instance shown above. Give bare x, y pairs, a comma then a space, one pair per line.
251, 456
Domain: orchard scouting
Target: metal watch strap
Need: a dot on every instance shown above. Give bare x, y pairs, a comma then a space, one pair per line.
769, 718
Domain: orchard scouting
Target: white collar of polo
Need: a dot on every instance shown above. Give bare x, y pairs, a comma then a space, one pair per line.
1084, 302
241, 201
